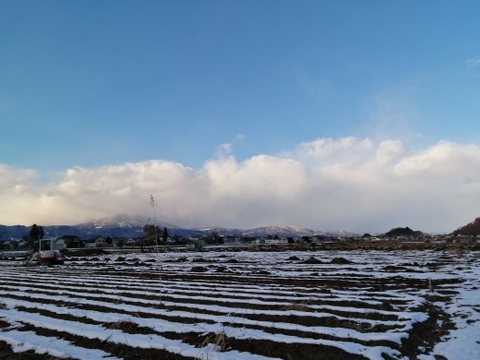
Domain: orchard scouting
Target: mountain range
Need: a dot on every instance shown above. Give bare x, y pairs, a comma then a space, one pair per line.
131, 226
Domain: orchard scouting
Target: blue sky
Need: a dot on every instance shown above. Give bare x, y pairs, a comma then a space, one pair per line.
88, 86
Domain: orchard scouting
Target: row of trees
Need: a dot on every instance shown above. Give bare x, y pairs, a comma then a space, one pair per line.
37, 233
153, 235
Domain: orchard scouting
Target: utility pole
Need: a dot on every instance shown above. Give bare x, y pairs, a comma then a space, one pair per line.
152, 202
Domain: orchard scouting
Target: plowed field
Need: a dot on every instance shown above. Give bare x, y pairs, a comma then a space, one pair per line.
359, 304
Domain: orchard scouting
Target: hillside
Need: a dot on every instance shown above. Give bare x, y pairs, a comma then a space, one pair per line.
472, 228
403, 232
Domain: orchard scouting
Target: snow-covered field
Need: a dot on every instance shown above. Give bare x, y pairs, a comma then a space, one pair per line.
358, 304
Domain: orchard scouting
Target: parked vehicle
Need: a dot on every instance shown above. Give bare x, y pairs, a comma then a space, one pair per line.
49, 252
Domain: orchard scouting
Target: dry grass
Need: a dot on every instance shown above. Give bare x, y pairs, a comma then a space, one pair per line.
218, 341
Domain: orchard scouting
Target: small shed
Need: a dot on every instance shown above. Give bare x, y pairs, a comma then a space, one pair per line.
195, 244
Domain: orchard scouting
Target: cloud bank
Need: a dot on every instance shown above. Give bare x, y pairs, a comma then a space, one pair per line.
327, 184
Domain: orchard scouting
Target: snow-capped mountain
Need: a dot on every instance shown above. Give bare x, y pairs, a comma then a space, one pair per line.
131, 226
281, 231
123, 221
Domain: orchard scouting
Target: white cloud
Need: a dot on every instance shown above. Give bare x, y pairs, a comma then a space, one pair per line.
328, 150
12, 178
322, 148
442, 160
350, 183
389, 151
475, 61
226, 149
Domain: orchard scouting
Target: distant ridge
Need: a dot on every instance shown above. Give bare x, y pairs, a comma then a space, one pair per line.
131, 226
280, 231
123, 221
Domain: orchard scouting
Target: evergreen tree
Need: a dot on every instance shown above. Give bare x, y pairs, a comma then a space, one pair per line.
35, 234
165, 234
150, 232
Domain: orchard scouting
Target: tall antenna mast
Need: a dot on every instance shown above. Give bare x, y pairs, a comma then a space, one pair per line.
152, 202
